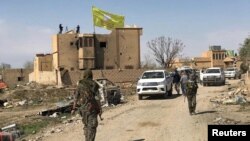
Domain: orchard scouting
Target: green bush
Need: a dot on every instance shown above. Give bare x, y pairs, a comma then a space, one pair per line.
244, 67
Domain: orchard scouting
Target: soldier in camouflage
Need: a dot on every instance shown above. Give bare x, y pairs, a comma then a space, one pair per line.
192, 87
86, 96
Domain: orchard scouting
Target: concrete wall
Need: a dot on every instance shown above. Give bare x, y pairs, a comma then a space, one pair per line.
100, 51
55, 48
129, 47
13, 77
123, 49
65, 51
116, 76
217, 58
111, 60
200, 65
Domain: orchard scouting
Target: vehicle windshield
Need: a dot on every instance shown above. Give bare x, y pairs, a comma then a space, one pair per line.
149, 75
230, 69
213, 71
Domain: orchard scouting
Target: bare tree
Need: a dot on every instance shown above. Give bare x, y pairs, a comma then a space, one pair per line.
165, 50
5, 66
186, 61
28, 65
148, 63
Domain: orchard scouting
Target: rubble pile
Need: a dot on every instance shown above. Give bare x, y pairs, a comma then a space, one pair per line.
225, 121
240, 95
73, 121
45, 101
33, 94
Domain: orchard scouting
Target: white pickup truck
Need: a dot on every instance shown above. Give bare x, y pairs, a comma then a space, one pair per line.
232, 73
154, 82
214, 76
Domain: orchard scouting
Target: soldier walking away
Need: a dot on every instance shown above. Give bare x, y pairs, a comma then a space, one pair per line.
192, 87
86, 96
183, 81
176, 81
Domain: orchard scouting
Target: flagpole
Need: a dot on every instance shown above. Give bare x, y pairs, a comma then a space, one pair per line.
93, 20
94, 33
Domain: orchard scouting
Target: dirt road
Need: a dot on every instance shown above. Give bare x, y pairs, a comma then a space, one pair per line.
151, 119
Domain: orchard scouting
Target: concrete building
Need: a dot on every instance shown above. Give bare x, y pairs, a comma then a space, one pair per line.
14, 77
214, 57
72, 51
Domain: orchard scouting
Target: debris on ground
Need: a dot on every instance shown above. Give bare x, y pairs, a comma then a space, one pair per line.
39, 102
11, 131
3, 86
61, 107
225, 121
238, 95
2, 101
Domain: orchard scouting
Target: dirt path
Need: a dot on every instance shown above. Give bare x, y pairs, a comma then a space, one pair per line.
152, 119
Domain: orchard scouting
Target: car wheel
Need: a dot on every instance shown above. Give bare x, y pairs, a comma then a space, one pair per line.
239, 76
223, 83
165, 96
169, 93
203, 84
140, 97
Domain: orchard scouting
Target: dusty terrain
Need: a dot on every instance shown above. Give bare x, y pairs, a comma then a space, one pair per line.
156, 119
151, 119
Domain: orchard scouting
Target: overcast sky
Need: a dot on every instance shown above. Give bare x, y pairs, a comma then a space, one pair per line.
26, 26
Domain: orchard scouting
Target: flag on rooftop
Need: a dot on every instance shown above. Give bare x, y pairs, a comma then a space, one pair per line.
230, 53
106, 20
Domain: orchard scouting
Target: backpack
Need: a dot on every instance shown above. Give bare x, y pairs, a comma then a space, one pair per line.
177, 77
87, 90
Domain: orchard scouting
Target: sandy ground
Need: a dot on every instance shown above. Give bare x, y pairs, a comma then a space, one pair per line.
154, 119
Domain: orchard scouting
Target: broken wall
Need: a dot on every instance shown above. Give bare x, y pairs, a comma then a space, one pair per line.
46, 77
116, 76
13, 77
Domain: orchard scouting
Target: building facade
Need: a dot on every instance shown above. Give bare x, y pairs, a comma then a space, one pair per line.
73, 51
214, 57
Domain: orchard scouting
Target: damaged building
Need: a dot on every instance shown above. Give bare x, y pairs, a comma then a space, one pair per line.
73, 52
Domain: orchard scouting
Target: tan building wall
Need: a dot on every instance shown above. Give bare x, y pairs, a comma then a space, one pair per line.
55, 48
216, 56
86, 52
44, 77
211, 58
42, 63
129, 47
13, 77
111, 58
101, 49
65, 52
72, 52
122, 50
201, 62
114, 75
179, 62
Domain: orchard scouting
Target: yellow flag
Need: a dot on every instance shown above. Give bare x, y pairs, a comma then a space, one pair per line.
106, 20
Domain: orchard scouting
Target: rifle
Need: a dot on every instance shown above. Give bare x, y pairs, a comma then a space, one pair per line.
185, 95
100, 115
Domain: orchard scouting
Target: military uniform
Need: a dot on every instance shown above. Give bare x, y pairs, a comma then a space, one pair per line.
86, 97
192, 87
